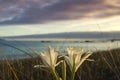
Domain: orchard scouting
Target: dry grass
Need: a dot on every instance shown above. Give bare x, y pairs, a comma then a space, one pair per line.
106, 66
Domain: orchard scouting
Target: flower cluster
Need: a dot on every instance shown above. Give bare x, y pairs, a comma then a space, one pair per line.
74, 59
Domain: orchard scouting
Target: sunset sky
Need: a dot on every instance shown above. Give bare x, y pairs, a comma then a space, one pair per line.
26, 17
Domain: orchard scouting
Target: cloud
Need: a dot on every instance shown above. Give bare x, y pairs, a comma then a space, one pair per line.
44, 11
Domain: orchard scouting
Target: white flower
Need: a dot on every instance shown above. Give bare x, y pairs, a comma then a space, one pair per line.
49, 58
76, 57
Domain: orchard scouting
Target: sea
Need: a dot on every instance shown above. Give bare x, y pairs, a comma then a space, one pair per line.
28, 49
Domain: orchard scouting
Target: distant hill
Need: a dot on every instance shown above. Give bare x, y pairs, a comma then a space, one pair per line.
93, 35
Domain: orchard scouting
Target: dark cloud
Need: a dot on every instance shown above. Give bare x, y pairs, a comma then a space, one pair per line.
41, 11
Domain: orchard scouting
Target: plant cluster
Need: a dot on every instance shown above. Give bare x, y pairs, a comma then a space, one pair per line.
74, 59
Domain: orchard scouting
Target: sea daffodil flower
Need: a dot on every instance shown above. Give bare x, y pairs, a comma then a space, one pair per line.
49, 58
75, 58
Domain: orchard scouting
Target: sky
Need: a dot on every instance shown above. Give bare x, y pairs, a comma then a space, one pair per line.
26, 17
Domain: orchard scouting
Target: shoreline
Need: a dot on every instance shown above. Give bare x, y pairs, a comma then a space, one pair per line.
34, 57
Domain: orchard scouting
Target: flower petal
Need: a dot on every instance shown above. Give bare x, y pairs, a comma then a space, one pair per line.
49, 58
39, 66
67, 59
83, 59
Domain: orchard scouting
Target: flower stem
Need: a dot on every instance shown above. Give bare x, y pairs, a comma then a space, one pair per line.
64, 70
55, 74
73, 75
73, 72
73, 69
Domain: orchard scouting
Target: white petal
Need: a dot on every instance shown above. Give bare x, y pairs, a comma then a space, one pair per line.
83, 59
39, 66
49, 58
59, 63
68, 62
45, 58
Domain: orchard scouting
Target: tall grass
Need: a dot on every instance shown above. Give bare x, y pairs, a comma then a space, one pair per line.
113, 61
106, 66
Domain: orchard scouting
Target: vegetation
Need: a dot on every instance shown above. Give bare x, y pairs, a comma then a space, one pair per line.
106, 66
